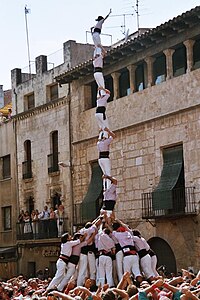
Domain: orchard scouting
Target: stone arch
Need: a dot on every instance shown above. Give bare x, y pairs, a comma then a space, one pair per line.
164, 254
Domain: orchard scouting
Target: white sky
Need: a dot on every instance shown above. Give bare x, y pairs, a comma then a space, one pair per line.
53, 22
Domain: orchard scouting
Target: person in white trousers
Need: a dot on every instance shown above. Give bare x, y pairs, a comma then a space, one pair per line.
100, 114
66, 249
96, 31
103, 147
98, 69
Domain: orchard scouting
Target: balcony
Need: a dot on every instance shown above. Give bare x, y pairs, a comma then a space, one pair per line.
42, 229
183, 204
53, 163
27, 169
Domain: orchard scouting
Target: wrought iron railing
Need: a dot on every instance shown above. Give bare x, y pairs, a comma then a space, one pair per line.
183, 203
42, 229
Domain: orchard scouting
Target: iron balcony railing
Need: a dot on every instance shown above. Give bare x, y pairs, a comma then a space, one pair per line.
42, 229
53, 163
27, 169
183, 203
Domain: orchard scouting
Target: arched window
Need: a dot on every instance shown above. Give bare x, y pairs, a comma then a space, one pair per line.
27, 164
159, 69
179, 61
53, 156
124, 83
139, 78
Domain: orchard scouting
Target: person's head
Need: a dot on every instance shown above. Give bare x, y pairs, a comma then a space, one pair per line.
109, 295
136, 233
107, 231
132, 290
115, 225
65, 238
77, 236
99, 18
45, 207
88, 225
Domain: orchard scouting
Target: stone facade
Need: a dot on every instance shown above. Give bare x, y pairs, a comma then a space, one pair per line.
145, 122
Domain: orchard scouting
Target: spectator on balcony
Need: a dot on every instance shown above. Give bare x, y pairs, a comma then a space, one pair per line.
9, 113
34, 223
27, 223
53, 232
44, 218
20, 221
60, 219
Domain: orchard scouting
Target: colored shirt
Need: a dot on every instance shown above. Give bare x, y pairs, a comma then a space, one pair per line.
66, 248
103, 145
111, 193
103, 100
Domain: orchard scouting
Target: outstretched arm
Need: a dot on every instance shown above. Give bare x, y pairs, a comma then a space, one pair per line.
108, 14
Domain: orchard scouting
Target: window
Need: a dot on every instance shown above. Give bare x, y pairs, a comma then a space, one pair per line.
53, 156
179, 61
159, 69
27, 164
93, 199
52, 92
196, 54
124, 83
169, 195
139, 78
6, 171
6, 212
29, 101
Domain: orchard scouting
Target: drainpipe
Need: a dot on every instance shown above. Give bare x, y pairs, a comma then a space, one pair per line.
70, 158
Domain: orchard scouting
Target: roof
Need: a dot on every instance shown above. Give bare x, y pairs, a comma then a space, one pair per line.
145, 40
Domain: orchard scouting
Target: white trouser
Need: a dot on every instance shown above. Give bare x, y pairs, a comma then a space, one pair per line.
154, 265
101, 122
105, 165
97, 271
60, 273
105, 270
131, 264
70, 271
145, 263
91, 265
82, 269
119, 264
98, 76
96, 39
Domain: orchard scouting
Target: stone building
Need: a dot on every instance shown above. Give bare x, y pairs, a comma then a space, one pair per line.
153, 109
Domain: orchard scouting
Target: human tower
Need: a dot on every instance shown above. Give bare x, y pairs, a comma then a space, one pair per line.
105, 134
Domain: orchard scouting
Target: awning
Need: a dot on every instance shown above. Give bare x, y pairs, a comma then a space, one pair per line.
89, 203
162, 196
7, 250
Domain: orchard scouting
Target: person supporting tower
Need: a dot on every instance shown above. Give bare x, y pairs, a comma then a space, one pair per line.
101, 108
110, 197
103, 146
98, 67
96, 31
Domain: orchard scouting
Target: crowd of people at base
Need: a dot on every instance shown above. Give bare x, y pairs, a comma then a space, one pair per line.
185, 286
47, 222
